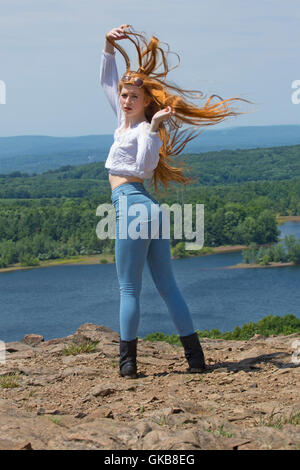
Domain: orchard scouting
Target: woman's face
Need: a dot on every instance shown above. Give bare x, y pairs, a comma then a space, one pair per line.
133, 100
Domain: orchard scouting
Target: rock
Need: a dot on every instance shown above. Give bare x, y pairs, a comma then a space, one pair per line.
17, 346
101, 412
256, 337
88, 332
282, 372
11, 445
254, 385
236, 444
33, 339
54, 411
248, 398
102, 390
143, 428
80, 415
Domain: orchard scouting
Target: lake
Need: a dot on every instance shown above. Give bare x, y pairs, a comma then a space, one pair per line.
54, 301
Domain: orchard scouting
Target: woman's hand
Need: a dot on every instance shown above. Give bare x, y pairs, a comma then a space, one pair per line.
117, 33
163, 114
160, 116
114, 34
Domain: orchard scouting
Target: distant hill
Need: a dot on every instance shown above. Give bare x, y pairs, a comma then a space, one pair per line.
270, 171
245, 137
36, 154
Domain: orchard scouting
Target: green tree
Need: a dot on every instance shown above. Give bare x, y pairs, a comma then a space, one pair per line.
179, 251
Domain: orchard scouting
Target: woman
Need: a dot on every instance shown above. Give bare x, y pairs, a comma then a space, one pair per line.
149, 115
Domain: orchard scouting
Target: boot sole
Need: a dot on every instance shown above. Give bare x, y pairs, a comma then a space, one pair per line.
194, 370
128, 376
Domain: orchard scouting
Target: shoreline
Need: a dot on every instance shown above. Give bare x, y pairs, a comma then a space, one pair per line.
83, 260
96, 259
272, 264
288, 218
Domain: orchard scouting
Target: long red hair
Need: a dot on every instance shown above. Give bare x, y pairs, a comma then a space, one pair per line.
165, 94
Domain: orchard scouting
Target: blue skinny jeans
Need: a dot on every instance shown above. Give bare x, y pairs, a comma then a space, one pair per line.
131, 254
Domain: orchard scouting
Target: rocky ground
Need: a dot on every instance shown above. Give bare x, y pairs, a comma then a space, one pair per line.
249, 398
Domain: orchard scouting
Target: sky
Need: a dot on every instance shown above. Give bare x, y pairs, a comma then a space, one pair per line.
51, 49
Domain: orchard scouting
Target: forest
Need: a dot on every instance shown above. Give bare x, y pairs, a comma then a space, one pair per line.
287, 251
53, 215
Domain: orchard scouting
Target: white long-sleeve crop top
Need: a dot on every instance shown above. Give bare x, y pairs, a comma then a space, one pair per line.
135, 151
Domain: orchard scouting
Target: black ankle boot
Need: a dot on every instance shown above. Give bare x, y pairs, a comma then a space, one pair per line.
193, 352
128, 358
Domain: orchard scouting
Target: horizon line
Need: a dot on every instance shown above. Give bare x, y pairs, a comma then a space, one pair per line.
98, 135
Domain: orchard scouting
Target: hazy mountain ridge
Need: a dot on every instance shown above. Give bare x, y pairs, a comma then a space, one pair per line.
36, 154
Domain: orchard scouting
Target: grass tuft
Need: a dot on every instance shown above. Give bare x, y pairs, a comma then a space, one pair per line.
75, 349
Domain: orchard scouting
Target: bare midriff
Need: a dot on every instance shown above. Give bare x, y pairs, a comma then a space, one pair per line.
116, 180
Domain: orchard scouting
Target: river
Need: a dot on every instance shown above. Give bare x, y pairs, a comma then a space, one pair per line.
54, 301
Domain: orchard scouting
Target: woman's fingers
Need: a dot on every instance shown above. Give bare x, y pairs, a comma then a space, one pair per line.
121, 29
170, 110
117, 35
167, 112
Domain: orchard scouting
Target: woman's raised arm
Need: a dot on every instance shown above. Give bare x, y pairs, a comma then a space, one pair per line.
108, 70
